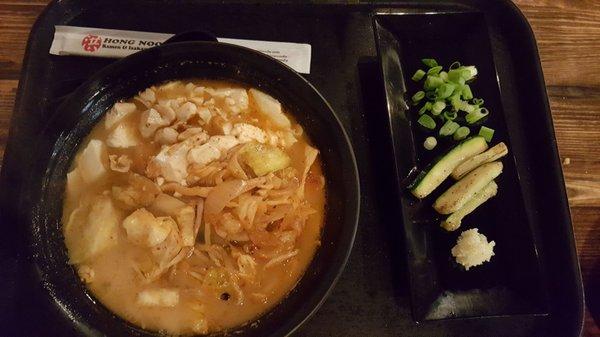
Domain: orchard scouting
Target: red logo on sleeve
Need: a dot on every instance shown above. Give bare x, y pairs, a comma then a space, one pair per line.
91, 43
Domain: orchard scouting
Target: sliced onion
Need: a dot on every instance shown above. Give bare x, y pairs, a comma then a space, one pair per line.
196, 191
166, 204
262, 238
234, 165
221, 195
310, 155
199, 213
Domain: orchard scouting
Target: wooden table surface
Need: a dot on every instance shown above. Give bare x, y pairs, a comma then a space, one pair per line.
568, 36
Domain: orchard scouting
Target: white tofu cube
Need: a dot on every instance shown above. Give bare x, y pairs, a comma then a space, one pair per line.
100, 231
162, 297
122, 137
245, 133
144, 229
117, 113
270, 107
93, 161
150, 121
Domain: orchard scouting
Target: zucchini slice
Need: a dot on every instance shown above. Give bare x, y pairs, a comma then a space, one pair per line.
463, 190
442, 169
492, 154
453, 221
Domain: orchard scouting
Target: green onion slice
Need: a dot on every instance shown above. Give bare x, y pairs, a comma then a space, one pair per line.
418, 96
419, 74
461, 133
476, 115
477, 101
437, 107
468, 108
450, 115
427, 122
432, 82
448, 128
430, 143
470, 72
426, 107
430, 62
445, 90
456, 102
444, 76
466, 93
486, 133
457, 76
430, 95
455, 65
434, 70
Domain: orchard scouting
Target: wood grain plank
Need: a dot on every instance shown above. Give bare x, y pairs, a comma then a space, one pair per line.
587, 220
576, 119
563, 4
39, 3
587, 236
568, 37
15, 24
583, 192
8, 90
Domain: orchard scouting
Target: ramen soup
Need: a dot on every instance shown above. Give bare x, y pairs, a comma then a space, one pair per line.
194, 207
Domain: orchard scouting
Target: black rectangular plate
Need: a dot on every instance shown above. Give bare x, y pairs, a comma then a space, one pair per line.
511, 283
372, 297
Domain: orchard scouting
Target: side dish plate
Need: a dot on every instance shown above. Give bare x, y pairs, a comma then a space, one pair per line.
515, 282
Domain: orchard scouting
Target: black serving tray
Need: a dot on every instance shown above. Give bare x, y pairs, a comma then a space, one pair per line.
374, 294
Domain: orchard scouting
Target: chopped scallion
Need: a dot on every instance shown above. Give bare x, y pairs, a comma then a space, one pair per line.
448, 128
427, 122
444, 76
462, 74
419, 74
430, 62
455, 75
456, 102
426, 107
418, 96
450, 115
476, 115
430, 95
477, 101
486, 133
437, 107
459, 104
430, 143
432, 82
465, 73
467, 94
445, 90
434, 70
444, 95
461, 133
472, 72
455, 65
468, 108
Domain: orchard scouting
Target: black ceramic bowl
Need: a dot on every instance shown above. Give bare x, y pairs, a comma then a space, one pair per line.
76, 116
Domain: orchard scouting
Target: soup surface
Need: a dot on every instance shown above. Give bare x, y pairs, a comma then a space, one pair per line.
194, 207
